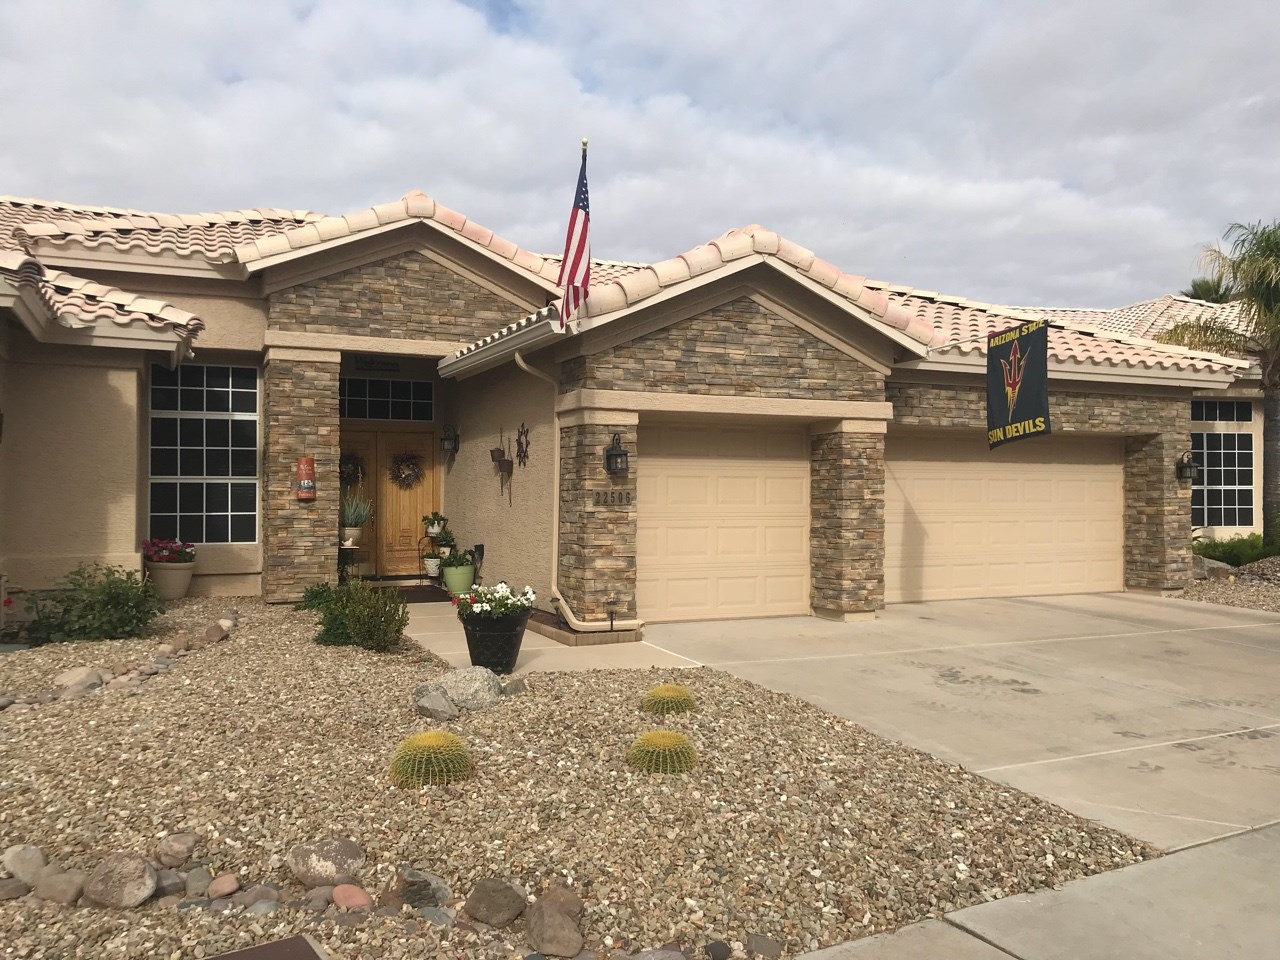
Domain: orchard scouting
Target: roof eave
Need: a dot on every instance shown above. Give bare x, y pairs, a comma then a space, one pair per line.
532, 336
976, 364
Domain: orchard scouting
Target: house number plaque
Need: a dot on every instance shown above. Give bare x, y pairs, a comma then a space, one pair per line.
613, 498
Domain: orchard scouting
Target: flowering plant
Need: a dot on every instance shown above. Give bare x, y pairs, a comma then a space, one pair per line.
495, 601
168, 551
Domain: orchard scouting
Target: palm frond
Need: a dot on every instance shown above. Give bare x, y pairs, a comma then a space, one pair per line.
1209, 335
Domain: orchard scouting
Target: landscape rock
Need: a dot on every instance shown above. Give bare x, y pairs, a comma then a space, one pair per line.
348, 896
198, 880
551, 932
320, 897
495, 902
176, 849
763, 946
13, 888
123, 880
25, 861
565, 900
660, 953
718, 950
169, 883
331, 861
472, 688
222, 886
215, 633
436, 915
88, 677
263, 907
50, 869
417, 888
430, 701
255, 894
66, 887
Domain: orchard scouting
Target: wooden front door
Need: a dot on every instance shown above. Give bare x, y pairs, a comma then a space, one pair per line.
391, 547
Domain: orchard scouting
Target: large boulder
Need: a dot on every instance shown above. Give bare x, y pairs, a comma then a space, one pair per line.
122, 880
25, 861
329, 862
472, 688
495, 902
61, 887
551, 932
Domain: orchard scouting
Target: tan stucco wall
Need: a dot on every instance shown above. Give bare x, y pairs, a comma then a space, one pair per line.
69, 461
513, 524
230, 324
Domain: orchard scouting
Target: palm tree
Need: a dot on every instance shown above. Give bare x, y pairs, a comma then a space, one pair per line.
1251, 268
1210, 290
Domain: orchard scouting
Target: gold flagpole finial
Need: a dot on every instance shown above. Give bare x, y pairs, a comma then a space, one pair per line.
584, 146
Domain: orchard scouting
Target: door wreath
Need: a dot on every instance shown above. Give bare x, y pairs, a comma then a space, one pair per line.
406, 470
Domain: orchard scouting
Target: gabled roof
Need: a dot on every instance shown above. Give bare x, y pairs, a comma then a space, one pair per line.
25, 223
1150, 318
413, 207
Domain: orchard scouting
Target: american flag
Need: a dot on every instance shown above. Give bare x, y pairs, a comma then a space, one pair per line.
575, 268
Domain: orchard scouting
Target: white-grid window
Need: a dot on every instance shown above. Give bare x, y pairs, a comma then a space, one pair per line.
1222, 495
361, 398
204, 453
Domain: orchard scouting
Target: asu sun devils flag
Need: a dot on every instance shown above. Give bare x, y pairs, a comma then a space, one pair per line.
575, 268
1018, 383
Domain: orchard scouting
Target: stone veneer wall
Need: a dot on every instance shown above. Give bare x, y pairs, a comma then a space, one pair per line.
1157, 521
846, 522
402, 297
597, 542
738, 349
300, 537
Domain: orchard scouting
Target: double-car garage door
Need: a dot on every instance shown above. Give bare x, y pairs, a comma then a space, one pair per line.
723, 519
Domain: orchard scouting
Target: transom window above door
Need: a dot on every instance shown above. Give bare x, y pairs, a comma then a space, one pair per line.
361, 398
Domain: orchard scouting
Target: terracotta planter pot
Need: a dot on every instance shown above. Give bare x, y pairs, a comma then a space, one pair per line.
171, 580
458, 579
494, 642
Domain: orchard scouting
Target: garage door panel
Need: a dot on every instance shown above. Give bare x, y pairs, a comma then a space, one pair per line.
960, 522
723, 522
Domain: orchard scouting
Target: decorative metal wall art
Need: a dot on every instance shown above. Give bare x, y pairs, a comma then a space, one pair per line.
522, 446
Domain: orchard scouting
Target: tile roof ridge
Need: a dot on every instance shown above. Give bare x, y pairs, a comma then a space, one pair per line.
414, 205
101, 214
740, 243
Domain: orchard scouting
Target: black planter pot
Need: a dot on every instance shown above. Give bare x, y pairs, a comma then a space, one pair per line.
494, 642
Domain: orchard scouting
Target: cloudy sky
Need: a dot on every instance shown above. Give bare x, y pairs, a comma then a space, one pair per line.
1026, 152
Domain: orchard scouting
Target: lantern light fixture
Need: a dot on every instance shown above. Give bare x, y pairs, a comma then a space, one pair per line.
449, 440
616, 458
1186, 468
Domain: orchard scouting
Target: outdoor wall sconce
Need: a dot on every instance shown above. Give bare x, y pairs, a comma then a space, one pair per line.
616, 458
449, 440
1187, 469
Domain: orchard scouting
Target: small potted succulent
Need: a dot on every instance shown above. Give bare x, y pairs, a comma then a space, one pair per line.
169, 565
444, 541
459, 571
354, 513
435, 522
494, 618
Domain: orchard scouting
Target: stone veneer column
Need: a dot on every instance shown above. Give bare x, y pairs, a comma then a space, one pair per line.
1157, 513
597, 541
846, 518
300, 538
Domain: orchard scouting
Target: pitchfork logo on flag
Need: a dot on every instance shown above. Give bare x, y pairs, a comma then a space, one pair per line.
1018, 383
575, 268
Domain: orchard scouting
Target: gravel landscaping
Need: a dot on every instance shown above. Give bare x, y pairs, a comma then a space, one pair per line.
796, 828
1255, 586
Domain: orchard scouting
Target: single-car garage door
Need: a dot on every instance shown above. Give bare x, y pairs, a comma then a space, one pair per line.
723, 522
1038, 517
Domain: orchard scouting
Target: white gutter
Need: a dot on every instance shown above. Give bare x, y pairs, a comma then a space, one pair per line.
582, 626
528, 334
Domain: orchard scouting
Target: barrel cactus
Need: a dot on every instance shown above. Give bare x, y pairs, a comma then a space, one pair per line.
662, 751
668, 698
435, 757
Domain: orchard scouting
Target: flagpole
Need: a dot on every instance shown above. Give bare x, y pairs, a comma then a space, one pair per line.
584, 148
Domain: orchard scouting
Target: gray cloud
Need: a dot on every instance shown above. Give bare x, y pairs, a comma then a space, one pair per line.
1030, 153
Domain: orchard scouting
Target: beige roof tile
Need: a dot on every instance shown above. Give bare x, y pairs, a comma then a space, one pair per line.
76, 302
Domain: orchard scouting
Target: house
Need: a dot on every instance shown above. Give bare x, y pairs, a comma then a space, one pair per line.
801, 440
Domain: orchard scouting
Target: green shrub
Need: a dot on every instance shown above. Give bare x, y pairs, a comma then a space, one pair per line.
435, 757
357, 615
92, 602
662, 751
315, 597
668, 698
1236, 551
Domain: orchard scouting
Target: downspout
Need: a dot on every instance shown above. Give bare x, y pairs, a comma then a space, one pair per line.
581, 626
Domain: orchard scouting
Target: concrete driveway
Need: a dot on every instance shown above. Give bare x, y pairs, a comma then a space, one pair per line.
1158, 717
